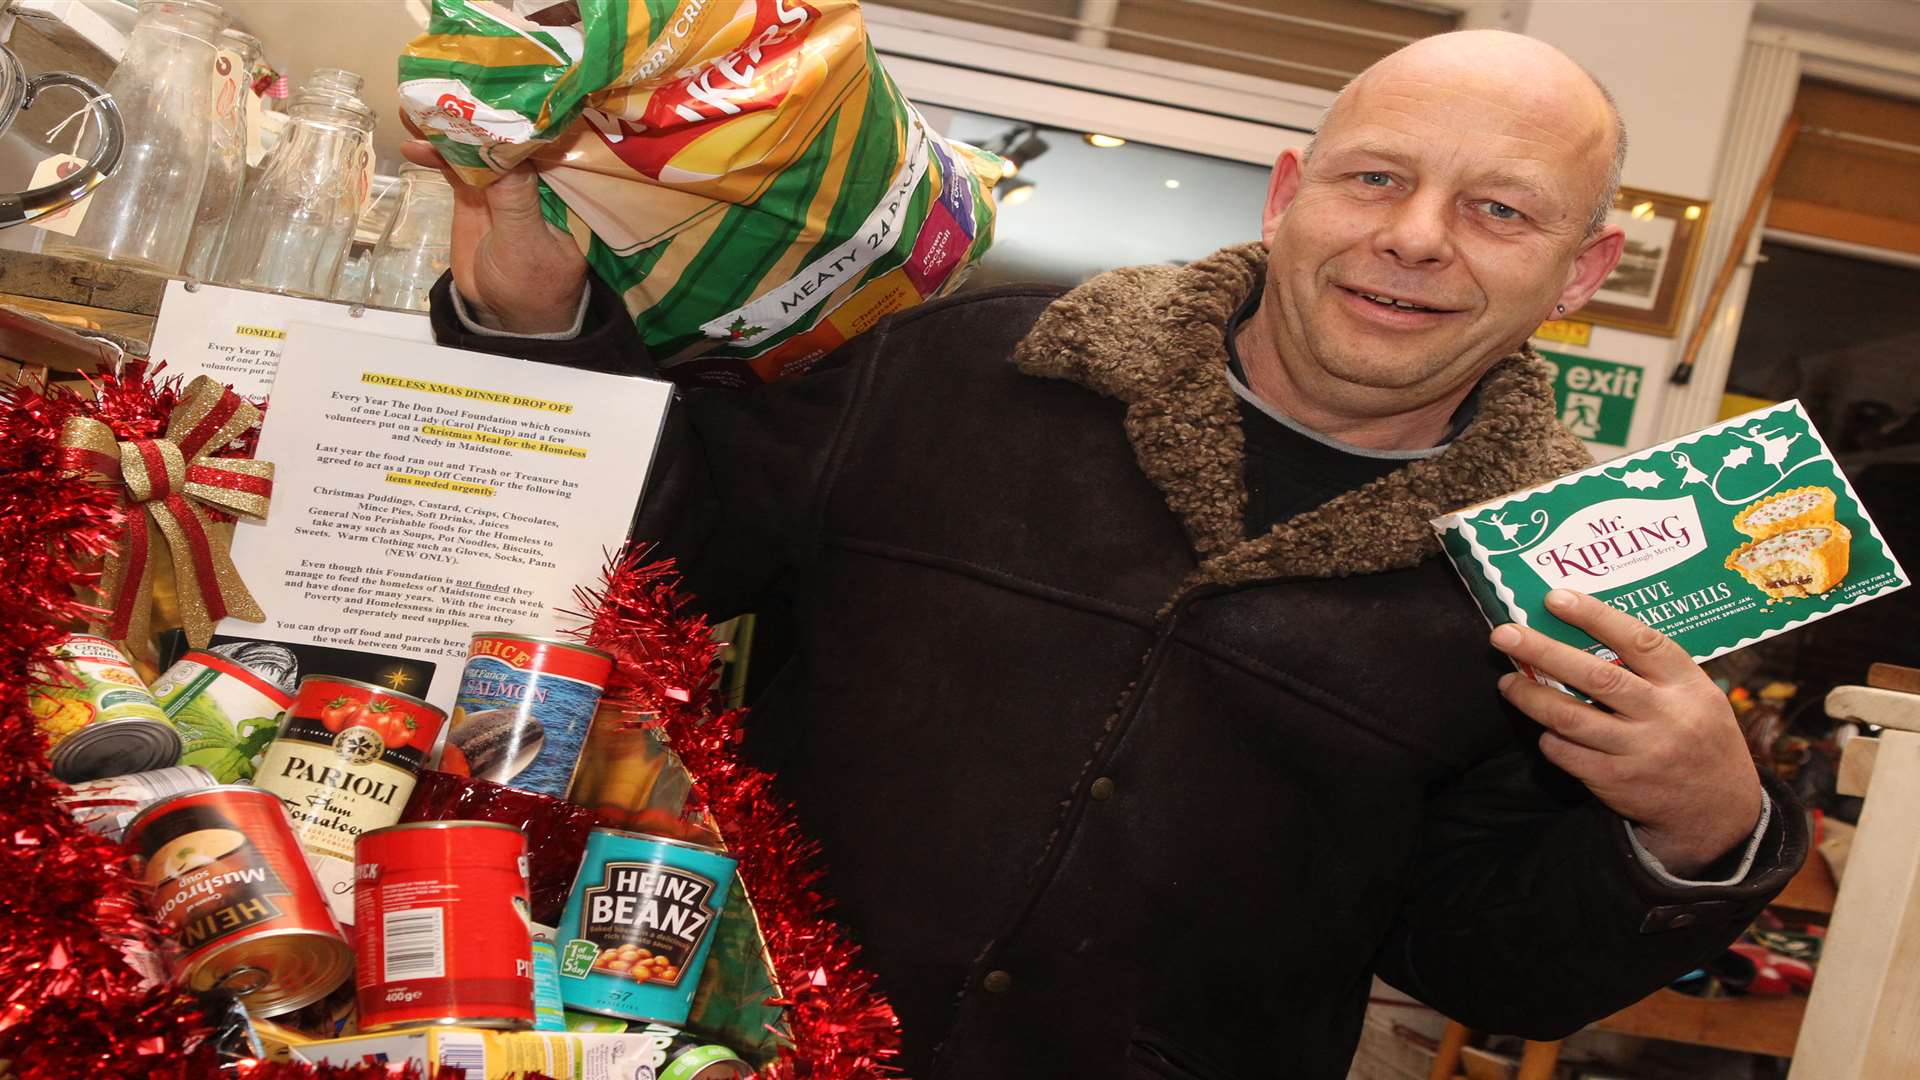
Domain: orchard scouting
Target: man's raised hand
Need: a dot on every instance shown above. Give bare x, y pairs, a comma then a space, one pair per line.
516, 272
1669, 757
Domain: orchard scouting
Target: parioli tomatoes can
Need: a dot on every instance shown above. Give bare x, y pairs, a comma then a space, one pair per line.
238, 904
523, 712
442, 926
345, 760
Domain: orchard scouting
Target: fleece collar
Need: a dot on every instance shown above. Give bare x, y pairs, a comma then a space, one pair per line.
1154, 338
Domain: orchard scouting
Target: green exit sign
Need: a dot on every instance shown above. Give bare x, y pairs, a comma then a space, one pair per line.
1596, 398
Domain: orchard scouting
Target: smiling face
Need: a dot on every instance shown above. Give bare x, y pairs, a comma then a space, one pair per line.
1442, 214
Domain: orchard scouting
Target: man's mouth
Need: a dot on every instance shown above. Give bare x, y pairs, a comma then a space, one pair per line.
1396, 302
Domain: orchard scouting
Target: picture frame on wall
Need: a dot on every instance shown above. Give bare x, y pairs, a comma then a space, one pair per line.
1647, 291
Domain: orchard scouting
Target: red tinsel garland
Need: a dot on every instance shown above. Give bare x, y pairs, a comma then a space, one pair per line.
71, 1005
842, 1028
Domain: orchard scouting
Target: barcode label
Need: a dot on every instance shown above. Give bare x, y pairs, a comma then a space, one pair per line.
467, 1052
415, 946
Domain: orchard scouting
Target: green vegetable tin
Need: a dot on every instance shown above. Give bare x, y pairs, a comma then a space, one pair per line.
638, 924
226, 713
1718, 539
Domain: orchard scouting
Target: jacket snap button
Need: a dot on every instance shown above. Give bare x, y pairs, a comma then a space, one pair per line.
997, 982
1101, 789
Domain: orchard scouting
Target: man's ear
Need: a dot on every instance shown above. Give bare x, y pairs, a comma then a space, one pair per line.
1597, 258
1282, 186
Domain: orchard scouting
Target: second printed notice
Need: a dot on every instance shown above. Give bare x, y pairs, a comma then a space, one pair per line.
423, 494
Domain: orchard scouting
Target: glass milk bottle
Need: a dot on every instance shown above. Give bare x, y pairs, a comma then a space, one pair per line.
418, 245
164, 87
295, 225
227, 163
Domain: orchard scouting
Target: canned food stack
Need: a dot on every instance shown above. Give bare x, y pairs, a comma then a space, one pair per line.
267, 826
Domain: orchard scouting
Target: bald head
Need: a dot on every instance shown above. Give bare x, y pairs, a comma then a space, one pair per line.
1543, 86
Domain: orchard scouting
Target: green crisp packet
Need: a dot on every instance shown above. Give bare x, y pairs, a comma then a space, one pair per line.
1717, 539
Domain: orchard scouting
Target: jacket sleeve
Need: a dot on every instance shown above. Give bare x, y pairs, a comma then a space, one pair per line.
734, 486
1528, 913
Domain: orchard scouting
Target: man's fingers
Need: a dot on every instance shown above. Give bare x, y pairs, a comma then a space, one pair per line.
514, 199
421, 152
1572, 720
1583, 763
1612, 685
1649, 653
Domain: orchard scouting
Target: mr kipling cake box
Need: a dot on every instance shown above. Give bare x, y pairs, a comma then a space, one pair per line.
1717, 539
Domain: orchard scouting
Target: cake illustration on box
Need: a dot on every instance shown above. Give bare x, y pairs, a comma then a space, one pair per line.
1797, 548
1718, 539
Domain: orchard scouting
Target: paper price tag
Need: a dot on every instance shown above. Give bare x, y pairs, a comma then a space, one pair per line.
229, 81
66, 220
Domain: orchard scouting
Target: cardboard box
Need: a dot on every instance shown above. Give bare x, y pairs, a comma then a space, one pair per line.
1718, 539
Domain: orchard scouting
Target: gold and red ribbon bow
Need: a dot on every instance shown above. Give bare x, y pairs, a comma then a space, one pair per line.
168, 485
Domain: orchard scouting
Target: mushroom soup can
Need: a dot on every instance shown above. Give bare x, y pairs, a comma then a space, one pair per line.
523, 712
227, 884
442, 927
639, 923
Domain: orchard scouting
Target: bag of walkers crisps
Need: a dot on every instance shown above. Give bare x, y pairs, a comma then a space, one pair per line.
743, 171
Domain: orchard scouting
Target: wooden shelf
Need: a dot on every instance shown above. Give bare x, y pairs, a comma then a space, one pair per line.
1755, 1025
1812, 889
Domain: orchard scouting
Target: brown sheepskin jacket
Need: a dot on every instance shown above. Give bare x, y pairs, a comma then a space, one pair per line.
1106, 786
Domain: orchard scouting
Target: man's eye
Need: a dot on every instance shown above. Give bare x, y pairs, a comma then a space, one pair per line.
1502, 211
1376, 179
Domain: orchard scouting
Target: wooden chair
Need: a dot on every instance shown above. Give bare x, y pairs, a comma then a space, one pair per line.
1862, 1021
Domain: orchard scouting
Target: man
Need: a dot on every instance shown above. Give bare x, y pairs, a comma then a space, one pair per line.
1139, 720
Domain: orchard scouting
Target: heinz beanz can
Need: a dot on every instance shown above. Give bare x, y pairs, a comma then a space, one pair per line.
108, 804
441, 926
99, 718
228, 886
523, 712
345, 760
638, 925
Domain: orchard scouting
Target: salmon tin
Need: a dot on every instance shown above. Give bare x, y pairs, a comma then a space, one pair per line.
229, 887
99, 718
345, 760
442, 926
639, 923
523, 712
108, 804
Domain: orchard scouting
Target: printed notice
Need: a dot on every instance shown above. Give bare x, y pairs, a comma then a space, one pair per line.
237, 335
423, 494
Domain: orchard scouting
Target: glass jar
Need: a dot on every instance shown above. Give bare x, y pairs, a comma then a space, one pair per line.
227, 162
418, 244
164, 89
295, 225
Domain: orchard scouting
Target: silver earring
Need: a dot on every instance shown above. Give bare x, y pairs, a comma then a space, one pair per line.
1559, 309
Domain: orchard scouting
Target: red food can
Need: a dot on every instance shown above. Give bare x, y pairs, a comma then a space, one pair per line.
442, 926
228, 885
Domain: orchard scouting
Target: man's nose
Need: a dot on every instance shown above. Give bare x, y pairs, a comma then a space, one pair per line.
1419, 230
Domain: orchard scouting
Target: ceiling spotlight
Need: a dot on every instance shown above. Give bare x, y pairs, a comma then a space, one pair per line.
1009, 168
1171, 184
1104, 142
1013, 192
